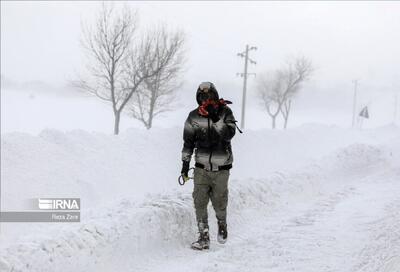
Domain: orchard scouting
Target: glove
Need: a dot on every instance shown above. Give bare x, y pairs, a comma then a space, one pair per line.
185, 170
212, 113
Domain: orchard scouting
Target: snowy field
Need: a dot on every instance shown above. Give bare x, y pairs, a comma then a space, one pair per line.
313, 198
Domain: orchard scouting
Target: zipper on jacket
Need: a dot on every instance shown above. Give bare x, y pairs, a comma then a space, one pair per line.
209, 139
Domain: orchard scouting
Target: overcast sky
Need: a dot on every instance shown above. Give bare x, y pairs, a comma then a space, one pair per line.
40, 40
344, 40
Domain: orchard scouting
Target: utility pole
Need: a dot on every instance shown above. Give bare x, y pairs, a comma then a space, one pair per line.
246, 57
354, 102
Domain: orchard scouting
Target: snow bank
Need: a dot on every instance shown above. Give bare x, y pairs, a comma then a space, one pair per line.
99, 167
95, 167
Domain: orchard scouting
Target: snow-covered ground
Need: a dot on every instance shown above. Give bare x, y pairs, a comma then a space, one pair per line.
314, 198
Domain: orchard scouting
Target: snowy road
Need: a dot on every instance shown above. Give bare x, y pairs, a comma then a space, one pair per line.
349, 221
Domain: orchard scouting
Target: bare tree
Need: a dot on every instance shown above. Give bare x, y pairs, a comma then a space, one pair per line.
278, 88
107, 45
296, 73
157, 93
270, 91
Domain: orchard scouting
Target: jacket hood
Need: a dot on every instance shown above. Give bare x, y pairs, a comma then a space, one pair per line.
205, 87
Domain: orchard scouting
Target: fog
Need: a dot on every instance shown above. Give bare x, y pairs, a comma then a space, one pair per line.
344, 40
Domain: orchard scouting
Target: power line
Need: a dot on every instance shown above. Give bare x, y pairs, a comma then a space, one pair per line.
245, 55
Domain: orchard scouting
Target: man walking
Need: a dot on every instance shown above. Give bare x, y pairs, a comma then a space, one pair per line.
208, 130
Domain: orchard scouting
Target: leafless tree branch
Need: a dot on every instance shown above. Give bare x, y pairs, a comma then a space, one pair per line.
277, 88
165, 51
107, 45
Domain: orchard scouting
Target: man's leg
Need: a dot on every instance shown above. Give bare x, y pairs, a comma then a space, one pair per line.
219, 193
201, 195
219, 199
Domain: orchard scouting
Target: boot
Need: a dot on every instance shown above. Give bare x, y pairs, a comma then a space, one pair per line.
204, 238
222, 232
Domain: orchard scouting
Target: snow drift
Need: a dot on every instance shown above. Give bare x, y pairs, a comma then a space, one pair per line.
99, 167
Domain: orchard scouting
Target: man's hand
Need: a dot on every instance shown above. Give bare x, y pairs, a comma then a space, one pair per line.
185, 170
212, 113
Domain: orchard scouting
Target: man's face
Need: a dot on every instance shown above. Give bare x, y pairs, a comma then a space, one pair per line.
206, 94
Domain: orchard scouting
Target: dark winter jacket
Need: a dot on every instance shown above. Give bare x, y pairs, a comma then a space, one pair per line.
210, 141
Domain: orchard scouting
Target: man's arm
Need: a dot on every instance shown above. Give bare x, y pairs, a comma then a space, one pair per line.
188, 140
226, 128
